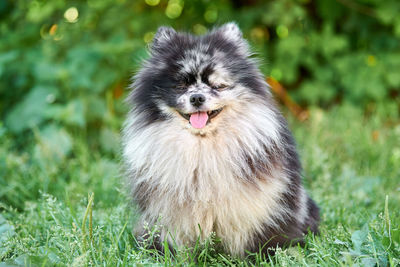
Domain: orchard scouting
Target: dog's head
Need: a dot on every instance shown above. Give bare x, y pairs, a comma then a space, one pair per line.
199, 82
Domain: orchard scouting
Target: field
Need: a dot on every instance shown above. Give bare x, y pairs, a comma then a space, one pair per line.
351, 163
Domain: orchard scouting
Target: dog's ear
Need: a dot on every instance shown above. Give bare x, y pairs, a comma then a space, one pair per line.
231, 31
163, 35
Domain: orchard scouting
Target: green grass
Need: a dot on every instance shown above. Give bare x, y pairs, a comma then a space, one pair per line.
72, 210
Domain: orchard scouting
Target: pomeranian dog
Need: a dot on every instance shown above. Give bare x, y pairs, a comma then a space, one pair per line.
207, 150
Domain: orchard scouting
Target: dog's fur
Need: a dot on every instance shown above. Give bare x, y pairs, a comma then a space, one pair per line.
239, 176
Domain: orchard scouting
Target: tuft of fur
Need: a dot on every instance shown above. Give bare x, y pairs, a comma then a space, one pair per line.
239, 176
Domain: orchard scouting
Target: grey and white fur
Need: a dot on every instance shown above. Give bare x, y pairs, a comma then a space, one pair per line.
239, 175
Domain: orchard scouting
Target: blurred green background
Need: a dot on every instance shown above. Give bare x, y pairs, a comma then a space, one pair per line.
65, 65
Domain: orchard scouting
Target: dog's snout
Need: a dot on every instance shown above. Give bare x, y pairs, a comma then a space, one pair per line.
197, 99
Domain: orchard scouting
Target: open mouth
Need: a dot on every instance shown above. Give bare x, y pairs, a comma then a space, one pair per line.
201, 118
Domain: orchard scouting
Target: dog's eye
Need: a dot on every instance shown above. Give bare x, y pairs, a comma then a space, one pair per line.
179, 87
219, 87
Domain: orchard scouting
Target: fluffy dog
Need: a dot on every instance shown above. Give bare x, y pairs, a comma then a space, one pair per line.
207, 150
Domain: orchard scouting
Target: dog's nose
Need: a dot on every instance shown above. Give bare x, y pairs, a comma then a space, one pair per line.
197, 99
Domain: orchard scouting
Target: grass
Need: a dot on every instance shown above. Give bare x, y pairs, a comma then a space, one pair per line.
59, 210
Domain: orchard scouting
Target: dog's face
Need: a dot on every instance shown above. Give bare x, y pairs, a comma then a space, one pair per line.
197, 81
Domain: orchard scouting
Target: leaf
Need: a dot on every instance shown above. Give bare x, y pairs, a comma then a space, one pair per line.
96, 108
25, 260
31, 110
72, 113
368, 262
396, 235
54, 144
6, 58
11, 264
109, 140
330, 10
45, 71
359, 237
6, 231
388, 11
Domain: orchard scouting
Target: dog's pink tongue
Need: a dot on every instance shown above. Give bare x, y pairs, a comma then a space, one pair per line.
198, 119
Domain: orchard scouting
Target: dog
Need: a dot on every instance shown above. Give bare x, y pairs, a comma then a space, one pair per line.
207, 151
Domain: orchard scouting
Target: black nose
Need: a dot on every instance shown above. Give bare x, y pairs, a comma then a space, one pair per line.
197, 99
